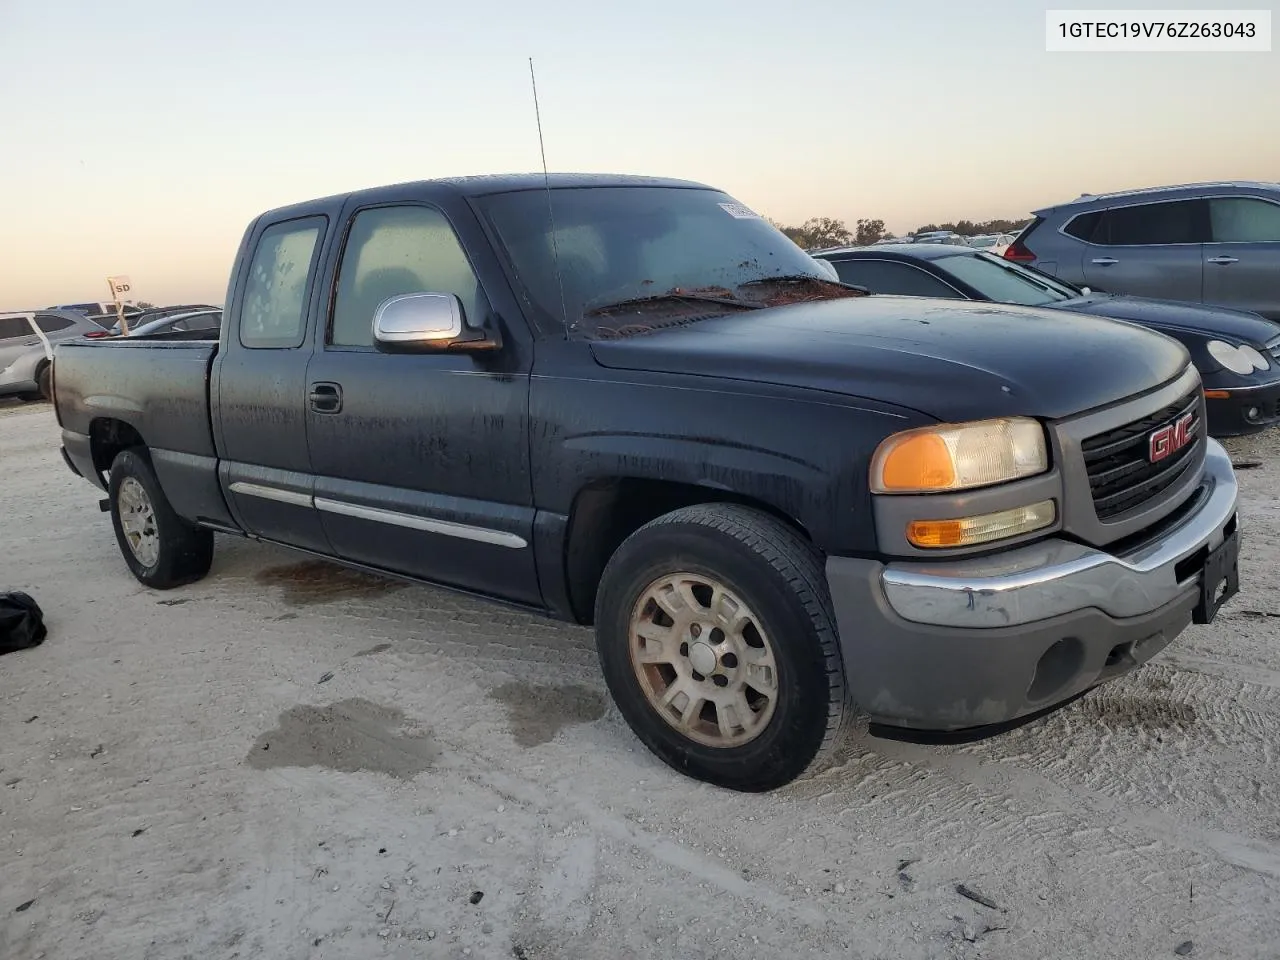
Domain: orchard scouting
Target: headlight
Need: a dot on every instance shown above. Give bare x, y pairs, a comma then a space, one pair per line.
959, 456
1258, 359
1239, 360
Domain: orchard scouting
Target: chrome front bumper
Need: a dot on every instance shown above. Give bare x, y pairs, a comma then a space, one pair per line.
967, 645
1055, 577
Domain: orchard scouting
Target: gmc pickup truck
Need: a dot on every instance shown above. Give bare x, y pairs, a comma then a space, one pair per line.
633, 403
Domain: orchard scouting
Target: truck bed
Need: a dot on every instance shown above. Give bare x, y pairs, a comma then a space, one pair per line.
160, 387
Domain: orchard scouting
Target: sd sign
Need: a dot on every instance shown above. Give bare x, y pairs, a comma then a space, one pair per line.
120, 287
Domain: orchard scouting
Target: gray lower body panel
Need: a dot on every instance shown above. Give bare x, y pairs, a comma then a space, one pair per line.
934, 678
78, 451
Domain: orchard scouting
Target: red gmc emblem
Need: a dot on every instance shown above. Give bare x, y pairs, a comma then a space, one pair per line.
1168, 440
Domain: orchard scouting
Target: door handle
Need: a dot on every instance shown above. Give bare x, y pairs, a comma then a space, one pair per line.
1223, 260
326, 398
1105, 261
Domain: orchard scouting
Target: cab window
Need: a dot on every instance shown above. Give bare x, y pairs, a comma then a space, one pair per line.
397, 250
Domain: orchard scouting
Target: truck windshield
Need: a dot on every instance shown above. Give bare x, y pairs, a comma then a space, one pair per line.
660, 254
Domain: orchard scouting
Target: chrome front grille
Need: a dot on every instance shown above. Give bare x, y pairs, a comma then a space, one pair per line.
1122, 476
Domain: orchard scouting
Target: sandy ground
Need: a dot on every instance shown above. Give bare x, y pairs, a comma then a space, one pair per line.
178, 779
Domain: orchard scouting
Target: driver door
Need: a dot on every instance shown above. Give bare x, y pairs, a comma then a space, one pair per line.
421, 460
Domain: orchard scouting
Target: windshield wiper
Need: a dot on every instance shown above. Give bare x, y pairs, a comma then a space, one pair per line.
1042, 279
805, 278
675, 298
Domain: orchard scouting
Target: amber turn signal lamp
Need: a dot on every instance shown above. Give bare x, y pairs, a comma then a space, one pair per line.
967, 531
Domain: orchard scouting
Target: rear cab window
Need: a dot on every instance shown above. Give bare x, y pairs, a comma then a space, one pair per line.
274, 310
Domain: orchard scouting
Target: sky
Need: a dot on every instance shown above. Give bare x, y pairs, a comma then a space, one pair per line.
140, 137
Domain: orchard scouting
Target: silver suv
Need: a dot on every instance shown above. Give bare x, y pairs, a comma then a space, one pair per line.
26, 349
1215, 243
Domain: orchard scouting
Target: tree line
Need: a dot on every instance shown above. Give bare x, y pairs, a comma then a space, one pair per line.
820, 232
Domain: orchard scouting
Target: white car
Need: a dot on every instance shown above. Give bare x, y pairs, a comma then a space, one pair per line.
993, 243
26, 349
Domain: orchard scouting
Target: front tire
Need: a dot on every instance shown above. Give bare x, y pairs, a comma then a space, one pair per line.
162, 550
717, 640
44, 382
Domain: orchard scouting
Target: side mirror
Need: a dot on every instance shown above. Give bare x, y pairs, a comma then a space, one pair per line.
426, 323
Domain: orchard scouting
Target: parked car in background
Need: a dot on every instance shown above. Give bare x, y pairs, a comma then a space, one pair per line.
940, 236
204, 321
1237, 353
26, 349
1213, 243
771, 493
994, 243
111, 319
96, 308
105, 314
112, 323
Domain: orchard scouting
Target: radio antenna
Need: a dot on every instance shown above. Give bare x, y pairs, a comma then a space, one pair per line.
551, 216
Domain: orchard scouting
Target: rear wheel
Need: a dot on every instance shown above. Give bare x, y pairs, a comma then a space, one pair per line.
44, 380
161, 548
717, 640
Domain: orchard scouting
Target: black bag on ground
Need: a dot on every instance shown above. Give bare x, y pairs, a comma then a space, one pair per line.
21, 622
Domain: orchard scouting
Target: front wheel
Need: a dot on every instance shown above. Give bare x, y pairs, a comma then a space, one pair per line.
161, 548
717, 640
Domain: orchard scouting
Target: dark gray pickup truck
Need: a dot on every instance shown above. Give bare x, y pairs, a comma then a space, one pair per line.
633, 403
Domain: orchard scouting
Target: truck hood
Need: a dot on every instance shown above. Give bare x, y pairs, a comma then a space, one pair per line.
1179, 319
952, 360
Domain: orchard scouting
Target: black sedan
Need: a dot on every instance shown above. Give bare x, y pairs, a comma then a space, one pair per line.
1237, 353
141, 318
201, 324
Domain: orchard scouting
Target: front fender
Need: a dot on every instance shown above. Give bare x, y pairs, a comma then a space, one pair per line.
745, 470
802, 454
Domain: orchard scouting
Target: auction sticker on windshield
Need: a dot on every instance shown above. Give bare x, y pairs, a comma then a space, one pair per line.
741, 211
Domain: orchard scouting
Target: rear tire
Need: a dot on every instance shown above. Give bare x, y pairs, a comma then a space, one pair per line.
717, 640
162, 550
44, 380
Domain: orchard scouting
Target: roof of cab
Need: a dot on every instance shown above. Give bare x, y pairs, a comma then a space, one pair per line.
479, 186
